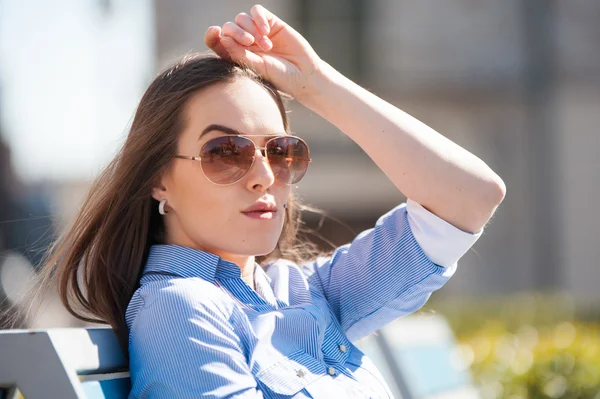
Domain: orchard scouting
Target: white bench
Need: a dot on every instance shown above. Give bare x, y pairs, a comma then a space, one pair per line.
419, 358
65, 363
417, 355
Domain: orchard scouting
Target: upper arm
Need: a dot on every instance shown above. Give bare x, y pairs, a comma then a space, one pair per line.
182, 344
384, 273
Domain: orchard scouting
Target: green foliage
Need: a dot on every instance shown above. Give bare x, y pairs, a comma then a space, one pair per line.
528, 346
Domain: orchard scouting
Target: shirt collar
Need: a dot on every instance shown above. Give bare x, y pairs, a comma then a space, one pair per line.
189, 262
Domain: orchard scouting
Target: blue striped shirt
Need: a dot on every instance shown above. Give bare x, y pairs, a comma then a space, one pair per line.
196, 329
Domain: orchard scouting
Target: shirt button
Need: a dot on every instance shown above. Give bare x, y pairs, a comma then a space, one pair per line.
331, 371
343, 348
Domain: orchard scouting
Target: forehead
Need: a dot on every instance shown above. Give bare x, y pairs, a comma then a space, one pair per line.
242, 105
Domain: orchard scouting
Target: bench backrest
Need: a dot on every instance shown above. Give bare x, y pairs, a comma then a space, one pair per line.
420, 359
69, 363
417, 355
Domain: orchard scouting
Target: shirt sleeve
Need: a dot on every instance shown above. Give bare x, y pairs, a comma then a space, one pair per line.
443, 243
384, 273
183, 346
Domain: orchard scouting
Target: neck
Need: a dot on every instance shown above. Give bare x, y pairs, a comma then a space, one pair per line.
246, 265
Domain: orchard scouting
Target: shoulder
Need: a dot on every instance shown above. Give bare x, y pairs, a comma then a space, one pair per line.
190, 291
179, 300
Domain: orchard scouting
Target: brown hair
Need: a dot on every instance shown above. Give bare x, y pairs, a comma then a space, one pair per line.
98, 260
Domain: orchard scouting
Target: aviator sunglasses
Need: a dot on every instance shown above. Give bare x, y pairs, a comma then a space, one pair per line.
226, 159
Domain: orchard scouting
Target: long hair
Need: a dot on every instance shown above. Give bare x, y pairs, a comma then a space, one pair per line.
98, 260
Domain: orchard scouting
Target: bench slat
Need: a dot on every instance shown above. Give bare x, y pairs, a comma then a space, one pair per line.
30, 362
40, 362
79, 349
107, 389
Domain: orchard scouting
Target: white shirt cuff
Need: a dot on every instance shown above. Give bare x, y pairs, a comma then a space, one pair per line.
443, 243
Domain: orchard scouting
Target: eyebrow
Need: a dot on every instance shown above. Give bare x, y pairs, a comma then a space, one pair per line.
220, 128
224, 129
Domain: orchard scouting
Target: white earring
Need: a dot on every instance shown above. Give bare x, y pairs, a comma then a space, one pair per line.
285, 206
161, 207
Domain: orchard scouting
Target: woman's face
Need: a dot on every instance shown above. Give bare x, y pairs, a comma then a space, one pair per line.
207, 216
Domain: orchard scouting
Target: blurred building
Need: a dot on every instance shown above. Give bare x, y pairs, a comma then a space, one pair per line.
71, 74
515, 82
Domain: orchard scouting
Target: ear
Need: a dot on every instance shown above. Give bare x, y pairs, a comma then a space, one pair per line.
159, 192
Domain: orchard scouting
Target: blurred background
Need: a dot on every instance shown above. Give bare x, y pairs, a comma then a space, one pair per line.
515, 82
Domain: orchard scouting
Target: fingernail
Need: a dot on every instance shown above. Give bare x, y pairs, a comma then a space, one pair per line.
248, 39
265, 43
265, 29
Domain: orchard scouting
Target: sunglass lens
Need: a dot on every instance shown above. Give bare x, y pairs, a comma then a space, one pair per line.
289, 158
226, 159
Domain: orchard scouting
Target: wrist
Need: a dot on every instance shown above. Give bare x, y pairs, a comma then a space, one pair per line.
316, 84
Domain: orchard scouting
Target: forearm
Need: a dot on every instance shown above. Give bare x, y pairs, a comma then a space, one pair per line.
424, 165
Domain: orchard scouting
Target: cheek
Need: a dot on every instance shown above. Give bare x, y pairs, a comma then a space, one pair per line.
283, 194
194, 194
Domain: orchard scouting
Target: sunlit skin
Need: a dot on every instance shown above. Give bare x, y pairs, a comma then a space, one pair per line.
206, 216
425, 166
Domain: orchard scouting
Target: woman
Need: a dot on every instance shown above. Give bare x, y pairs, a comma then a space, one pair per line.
184, 244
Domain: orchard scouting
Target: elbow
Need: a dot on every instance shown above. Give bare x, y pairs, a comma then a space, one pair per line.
492, 196
477, 208
489, 198
497, 191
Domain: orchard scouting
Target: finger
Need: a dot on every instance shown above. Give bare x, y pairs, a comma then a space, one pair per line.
274, 24
233, 31
254, 48
242, 54
212, 40
261, 18
246, 22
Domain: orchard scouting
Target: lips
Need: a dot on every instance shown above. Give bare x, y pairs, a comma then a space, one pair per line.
261, 206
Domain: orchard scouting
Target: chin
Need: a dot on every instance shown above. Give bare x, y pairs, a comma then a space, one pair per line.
261, 249
261, 252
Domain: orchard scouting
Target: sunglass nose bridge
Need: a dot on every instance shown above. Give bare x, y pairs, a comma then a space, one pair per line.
263, 151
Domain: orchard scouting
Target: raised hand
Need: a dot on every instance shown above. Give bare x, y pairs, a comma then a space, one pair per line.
270, 47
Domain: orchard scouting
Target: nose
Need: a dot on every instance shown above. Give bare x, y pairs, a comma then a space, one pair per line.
260, 176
